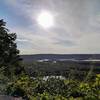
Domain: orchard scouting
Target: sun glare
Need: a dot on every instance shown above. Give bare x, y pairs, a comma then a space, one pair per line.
45, 19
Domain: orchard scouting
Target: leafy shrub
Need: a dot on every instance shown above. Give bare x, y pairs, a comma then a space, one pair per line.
54, 89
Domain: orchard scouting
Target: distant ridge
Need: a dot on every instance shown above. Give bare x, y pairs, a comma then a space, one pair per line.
57, 57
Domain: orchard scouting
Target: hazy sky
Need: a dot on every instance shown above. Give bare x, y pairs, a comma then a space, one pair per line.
76, 26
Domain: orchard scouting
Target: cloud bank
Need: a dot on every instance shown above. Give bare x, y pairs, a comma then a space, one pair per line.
76, 29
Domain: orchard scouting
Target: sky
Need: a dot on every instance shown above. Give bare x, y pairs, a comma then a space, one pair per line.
76, 26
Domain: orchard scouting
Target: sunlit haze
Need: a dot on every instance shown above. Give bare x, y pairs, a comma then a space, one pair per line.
45, 19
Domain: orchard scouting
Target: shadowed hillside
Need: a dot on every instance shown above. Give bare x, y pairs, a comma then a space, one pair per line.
57, 57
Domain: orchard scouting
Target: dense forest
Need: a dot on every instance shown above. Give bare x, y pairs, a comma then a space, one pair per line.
44, 80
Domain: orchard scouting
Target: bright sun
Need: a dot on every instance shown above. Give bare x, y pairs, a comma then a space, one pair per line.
45, 19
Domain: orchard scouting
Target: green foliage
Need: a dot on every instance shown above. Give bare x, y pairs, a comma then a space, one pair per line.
8, 48
54, 89
3, 82
9, 58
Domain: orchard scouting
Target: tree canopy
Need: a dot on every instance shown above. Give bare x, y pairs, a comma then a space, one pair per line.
9, 54
8, 47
